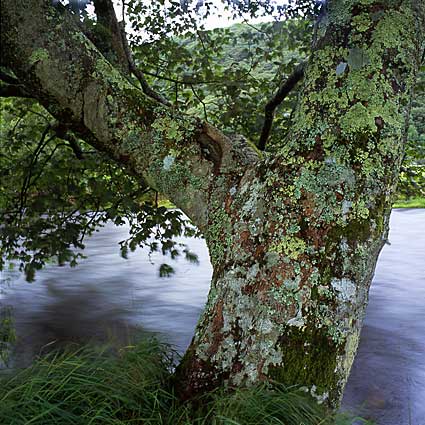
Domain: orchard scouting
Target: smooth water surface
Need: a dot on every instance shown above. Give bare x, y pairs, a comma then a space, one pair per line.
388, 375
107, 296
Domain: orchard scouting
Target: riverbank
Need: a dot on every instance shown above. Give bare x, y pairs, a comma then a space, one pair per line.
418, 202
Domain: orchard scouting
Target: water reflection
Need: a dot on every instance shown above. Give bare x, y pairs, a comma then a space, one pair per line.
107, 296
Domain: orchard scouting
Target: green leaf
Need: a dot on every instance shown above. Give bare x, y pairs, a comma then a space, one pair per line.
165, 270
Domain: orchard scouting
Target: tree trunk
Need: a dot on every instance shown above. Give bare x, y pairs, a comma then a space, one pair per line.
293, 237
295, 241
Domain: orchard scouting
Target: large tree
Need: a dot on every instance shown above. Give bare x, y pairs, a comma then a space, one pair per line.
293, 236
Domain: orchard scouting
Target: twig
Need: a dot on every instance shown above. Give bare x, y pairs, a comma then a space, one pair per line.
147, 89
9, 79
63, 133
202, 102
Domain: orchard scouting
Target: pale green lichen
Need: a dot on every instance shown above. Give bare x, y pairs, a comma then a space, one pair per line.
219, 235
361, 22
290, 246
38, 55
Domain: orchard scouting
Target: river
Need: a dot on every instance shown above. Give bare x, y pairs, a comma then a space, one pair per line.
109, 297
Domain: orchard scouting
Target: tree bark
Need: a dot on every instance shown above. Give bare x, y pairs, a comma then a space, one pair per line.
293, 238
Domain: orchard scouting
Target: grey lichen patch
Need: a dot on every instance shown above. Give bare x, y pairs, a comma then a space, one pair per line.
168, 162
345, 288
321, 398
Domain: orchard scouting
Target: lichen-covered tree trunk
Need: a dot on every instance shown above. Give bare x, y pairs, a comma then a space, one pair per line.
295, 240
294, 236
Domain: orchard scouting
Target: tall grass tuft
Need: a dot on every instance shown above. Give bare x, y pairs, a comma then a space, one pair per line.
89, 386
131, 385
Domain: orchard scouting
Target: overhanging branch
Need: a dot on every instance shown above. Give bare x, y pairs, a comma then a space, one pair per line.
10, 86
118, 44
173, 152
107, 20
7, 78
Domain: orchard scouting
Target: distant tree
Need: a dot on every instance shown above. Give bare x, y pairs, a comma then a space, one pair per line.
293, 234
412, 176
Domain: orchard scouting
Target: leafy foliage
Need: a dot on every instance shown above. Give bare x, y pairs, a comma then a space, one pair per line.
227, 75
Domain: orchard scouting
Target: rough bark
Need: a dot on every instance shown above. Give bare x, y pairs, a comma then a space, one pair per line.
293, 238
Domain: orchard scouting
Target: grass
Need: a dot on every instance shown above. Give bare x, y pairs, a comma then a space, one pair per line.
418, 202
131, 385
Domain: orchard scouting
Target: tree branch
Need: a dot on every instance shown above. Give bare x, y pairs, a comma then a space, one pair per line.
175, 153
63, 133
118, 44
10, 86
7, 78
277, 99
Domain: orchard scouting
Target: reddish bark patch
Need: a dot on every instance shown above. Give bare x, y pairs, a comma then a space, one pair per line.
379, 122
237, 367
228, 204
196, 377
259, 252
305, 275
318, 153
315, 236
261, 375
124, 158
308, 203
244, 236
217, 325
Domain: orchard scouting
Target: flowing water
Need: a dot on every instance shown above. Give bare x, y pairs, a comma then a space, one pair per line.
107, 296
